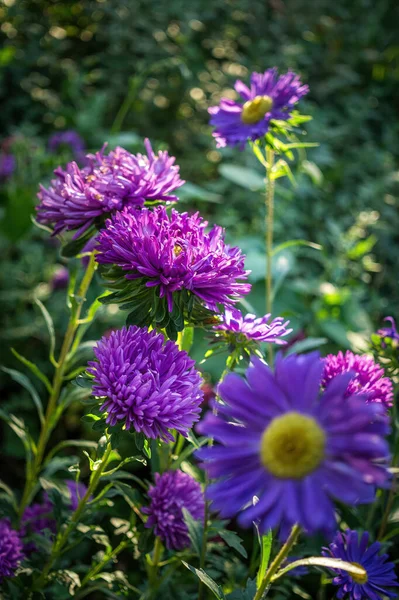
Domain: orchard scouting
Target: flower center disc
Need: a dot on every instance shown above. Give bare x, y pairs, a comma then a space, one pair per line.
292, 446
254, 110
360, 579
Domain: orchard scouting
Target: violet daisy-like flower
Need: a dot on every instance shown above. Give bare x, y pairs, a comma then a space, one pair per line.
146, 382
251, 328
76, 491
11, 553
270, 96
173, 252
380, 573
367, 376
296, 450
78, 198
70, 139
173, 491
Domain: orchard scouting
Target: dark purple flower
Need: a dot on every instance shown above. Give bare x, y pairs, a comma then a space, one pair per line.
146, 382
7, 166
77, 198
172, 492
76, 490
271, 96
60, 278
11, 553
278, 439
173, 253
249, 327
389, 332
380, 573
367, 376
38, 519
70, 139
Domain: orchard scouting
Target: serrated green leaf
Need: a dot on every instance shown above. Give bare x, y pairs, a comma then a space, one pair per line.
234, 541
195, 531
207, 580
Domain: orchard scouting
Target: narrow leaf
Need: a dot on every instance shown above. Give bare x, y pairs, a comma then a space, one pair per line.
265, 542
50, 327
291, 243
195, 531
34, 369
234, 541
321, 561
26, 383
208, 581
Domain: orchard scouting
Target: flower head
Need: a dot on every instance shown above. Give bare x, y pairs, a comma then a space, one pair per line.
76, 491
7, 166
38, 519
11, 553
250, 328
60, 278
380, 573
367, 376
78, 198
389, 332
278, 439
70, 139
172, 253
173, 491
271, 96
146, 383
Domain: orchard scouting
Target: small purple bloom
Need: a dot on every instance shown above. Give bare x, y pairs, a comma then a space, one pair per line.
77, 490
277, 439
380, 573
261, 329
174, 252
11, 553
367, 376
60, 278
146, 382
70, 139
270, 97
38, 519
77, 198
7, 166
389, 332
173, 491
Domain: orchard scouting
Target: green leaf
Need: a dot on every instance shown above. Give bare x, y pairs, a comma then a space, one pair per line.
19, 428
208, 581
361, 248
321, 561
195, 531
187, 338
292, 243
50, 327
265, 542
234, 541
33, 368
190, 191
246, 178
26, 383
305, 345
73, 247
313, 171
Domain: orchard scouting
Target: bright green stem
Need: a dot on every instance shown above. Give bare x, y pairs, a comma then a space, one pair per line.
156, 557
269, 220
99, 566
277, 562
48, 424
62, 537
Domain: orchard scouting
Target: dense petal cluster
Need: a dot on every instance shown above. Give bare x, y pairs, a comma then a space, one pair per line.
270, 96
367, 376
173, 491
11, 553
261, 329
350, 547
146, 383
76, 491
174, 252
278, 439
37, 519
77, 198
69, 138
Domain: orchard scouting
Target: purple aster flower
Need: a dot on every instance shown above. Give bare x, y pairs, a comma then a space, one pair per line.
76, 490
173, 253
11, 553
279, 439
367, 376
60, 278
147, 383
7, 166
70, 139
251, 328
173, 491
389, 332
38, 519
271, 96
380, 573
78, 198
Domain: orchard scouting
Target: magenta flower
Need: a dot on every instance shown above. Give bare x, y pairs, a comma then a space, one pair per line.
368, 377
252, 328
270, 97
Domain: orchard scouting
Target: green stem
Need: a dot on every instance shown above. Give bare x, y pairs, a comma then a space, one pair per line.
62, 537
48, 425
269, 219
275, 565
201, 586
99, 566
156, 557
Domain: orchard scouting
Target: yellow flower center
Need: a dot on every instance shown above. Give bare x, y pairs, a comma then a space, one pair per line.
254, 110
177, 250
292, 446
361, 579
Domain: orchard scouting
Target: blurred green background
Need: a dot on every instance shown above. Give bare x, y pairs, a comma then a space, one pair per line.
121, 71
